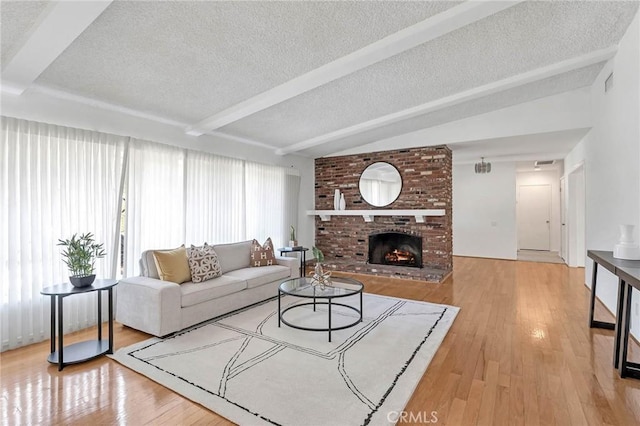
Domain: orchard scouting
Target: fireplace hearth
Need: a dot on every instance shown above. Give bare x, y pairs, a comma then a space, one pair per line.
396, 249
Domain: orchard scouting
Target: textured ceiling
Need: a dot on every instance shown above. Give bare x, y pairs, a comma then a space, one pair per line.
528, 92
189, 60
16, 19
519, 39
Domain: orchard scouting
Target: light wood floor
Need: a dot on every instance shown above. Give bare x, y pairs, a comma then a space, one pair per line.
519, 352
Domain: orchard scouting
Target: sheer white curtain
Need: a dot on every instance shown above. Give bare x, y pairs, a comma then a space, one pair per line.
292, 196
215, 199
266, 209
57, 181
54, 182
155, 200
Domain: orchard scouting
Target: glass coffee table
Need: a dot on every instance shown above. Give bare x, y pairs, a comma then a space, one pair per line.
302, 287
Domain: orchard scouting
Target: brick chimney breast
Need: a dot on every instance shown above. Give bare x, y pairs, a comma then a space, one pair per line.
426, 184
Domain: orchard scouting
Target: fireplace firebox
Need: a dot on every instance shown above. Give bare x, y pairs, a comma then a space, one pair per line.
395, 248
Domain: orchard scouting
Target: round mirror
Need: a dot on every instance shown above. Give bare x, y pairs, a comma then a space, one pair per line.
380, 184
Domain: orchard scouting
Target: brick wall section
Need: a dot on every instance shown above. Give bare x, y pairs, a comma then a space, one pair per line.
426, 184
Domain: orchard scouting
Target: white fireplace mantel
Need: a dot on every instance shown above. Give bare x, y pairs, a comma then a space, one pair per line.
368, 215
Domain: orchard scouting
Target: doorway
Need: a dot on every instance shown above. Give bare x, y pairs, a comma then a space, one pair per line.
534, 217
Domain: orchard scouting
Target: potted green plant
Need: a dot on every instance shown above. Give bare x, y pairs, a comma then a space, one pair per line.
317, 253
292, 237
80, 255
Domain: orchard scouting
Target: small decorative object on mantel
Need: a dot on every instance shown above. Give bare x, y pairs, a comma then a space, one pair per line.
80, 255
626, 248
343, 203
336, 199
319, 277
292, 237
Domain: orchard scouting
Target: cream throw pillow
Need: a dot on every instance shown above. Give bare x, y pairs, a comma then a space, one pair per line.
173, 265
262, 255
203, 263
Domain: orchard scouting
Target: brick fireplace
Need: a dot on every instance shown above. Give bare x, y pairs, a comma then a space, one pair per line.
426, 184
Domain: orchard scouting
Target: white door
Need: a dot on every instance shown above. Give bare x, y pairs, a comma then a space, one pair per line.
534, 215
563, 220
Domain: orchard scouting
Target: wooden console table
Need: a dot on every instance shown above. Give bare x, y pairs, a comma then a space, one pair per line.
628, 273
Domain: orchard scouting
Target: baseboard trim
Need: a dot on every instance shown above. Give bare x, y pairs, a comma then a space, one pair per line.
483, 257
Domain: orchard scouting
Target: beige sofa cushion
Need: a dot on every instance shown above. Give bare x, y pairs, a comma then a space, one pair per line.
233, 256
194, 293
173, 265
256, 277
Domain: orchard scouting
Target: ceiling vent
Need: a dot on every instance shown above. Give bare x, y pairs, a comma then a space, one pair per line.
608, 83
544, 163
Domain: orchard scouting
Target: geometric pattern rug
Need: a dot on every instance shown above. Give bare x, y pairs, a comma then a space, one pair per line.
247, 369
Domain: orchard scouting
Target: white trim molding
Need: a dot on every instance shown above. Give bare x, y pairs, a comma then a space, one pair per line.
368, 215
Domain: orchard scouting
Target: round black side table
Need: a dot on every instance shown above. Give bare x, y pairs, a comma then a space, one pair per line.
82, 351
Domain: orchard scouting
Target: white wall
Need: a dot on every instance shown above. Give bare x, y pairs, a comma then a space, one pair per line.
574, 158
36, 106
484, 211
576, 206
576, 253
552, 178
612, 161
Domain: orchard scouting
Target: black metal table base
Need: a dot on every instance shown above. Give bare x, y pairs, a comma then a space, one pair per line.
617, 326
81, 351
303, 257
628, 273
330, 304
631, 369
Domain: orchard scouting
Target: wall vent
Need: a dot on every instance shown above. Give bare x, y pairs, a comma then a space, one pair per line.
608, 83
544, 162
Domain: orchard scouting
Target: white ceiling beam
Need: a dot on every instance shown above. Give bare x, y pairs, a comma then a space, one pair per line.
241, 139
394, 44
94, 103
457, 98
58, 26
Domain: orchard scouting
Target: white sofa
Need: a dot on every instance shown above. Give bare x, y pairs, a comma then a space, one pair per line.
160, 308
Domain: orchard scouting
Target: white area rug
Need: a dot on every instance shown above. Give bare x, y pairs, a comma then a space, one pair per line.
245, 368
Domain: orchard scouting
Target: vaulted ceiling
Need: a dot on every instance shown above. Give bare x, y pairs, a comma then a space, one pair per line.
310, 78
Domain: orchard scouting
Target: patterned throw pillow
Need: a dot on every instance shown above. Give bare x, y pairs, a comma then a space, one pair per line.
262, 255
203, 263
